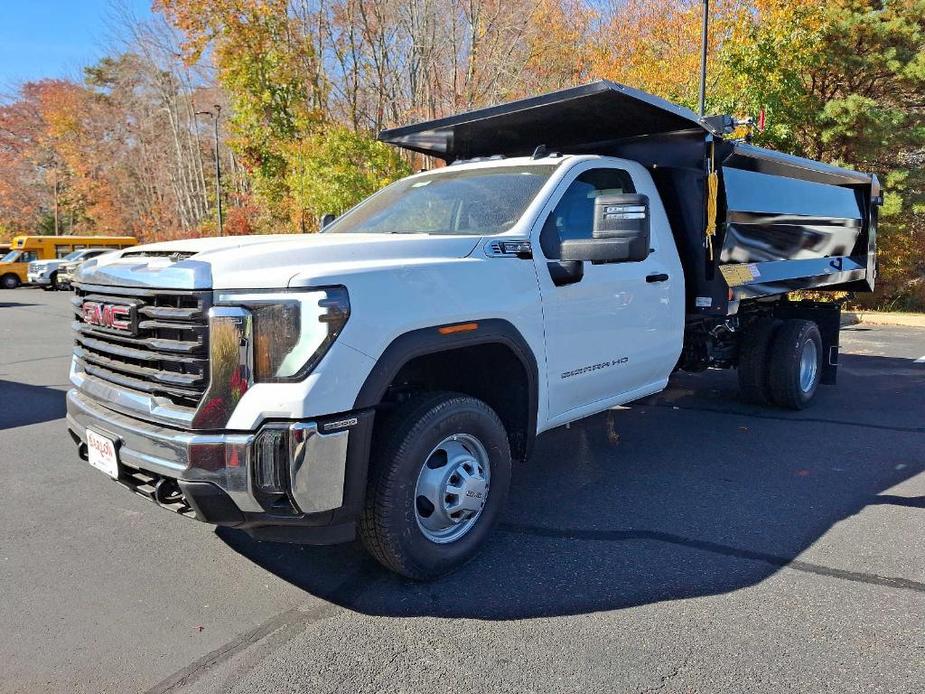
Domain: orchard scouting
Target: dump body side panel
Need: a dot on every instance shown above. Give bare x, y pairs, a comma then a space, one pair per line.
789, 223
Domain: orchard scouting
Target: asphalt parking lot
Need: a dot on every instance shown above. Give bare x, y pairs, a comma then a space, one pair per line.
686, 543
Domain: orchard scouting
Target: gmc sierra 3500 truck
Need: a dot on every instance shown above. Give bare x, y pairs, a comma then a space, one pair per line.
380, 377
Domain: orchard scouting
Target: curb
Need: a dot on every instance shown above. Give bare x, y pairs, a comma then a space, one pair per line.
911, 320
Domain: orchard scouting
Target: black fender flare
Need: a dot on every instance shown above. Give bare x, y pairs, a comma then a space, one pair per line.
431, 340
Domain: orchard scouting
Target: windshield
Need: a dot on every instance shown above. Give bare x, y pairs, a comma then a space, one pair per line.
10, 257
473, 201
73, 255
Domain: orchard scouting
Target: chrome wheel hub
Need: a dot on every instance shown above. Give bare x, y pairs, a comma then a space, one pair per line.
809, 364
452, 488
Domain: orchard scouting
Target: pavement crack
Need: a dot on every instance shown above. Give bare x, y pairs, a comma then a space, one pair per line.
715, 548
27, 361
228, 650
665, 679
287, 625
31, 309
792, 420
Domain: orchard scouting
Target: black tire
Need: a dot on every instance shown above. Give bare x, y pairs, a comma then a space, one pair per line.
753, 361
792, 340
388, 525
52, 285
9, 281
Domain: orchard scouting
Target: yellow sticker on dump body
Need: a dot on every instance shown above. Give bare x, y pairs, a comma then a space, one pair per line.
739, 273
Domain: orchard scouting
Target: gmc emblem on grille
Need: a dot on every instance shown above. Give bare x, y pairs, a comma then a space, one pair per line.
114, 316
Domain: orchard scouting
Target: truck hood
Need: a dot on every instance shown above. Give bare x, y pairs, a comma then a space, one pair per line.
262, 261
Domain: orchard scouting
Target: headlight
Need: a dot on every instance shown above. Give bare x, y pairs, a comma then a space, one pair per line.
293, 329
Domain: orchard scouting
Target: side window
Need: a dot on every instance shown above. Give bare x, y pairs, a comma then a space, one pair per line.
61, 251
28, 257
573, 217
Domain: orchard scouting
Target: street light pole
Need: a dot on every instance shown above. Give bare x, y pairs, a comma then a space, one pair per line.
218, 174
703, 58
218, 165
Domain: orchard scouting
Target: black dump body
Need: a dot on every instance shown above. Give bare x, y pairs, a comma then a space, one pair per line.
783, 223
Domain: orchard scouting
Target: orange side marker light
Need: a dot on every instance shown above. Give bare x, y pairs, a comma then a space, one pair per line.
458, 328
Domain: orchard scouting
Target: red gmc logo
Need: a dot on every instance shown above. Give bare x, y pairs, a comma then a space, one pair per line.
115, 316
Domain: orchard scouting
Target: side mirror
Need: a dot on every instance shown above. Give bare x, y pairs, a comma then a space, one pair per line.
621, 232
327, 218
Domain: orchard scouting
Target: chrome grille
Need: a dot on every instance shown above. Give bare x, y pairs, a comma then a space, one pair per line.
166, 356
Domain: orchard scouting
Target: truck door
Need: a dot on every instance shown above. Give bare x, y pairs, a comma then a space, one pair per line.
613, 331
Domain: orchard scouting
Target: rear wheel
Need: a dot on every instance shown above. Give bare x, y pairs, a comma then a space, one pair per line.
9, 281
753, 361
796, 364
437, 485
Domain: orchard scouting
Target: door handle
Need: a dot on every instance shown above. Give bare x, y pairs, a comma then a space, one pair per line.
660, 277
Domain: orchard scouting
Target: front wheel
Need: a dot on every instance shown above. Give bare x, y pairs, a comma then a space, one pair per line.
9, 281
437, 484
52, 285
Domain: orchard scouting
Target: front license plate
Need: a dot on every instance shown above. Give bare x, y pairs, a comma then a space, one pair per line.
101, 452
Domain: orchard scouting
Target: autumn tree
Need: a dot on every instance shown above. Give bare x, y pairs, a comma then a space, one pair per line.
120, 152
656, 46
37, 191
297, 71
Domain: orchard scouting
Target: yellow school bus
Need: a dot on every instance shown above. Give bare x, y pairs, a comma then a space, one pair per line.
26, 249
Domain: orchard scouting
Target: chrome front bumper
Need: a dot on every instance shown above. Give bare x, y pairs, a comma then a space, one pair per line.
317, 470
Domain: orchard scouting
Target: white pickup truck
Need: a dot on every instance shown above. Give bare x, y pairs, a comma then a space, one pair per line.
44, 273
381, 377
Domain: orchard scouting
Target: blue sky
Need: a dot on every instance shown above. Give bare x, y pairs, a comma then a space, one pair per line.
55, 38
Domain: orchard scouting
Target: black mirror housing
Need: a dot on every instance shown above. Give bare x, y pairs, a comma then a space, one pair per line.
595, 250
624, 217
621, 233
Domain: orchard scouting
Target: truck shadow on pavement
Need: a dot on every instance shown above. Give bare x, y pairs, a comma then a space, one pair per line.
689, 493
21, 404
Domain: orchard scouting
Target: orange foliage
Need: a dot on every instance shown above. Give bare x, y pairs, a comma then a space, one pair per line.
655, 45
75, 122
242, 219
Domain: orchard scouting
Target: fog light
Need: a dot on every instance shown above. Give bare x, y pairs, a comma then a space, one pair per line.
271, 461
217, 456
